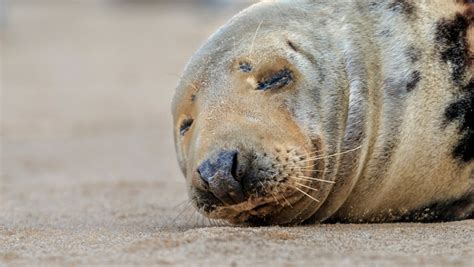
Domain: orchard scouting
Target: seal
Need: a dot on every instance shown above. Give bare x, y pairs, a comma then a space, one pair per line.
332, 111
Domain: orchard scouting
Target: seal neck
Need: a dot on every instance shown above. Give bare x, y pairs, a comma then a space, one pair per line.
361, 117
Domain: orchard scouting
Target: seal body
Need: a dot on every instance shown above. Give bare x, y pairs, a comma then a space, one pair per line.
312, 111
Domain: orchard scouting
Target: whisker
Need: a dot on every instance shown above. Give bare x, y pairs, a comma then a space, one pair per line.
291, 150
310, 167
187, 204
295, 167
317, 179
314, 152
306, 157
333, 155
276, 199
217, 222
187, 217
312, 179
202, 221
193, 220
235, 49
284, 198
210, 222
197, 220
309, 170
180, 205
255, 37
305, 186
306, 194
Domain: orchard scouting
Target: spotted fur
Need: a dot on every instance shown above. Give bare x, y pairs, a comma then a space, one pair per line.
381, 91
462, 111
245, 67
414, 79
455, 49
403, 6
453, 45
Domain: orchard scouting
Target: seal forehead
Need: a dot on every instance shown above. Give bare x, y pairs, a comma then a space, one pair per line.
257, 49
244, 34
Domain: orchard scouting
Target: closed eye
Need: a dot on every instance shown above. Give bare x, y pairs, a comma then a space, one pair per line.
185, 126
276, 80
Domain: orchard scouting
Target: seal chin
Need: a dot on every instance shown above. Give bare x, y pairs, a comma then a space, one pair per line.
263, 211
260, 212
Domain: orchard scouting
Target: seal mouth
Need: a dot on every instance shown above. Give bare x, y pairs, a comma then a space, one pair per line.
273, 184
266, 213
254, 211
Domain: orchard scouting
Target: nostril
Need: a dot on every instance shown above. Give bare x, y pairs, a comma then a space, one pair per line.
226, 160
235, 168
221, 175
204, 180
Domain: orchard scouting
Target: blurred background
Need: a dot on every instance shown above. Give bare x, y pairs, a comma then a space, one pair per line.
86, 93
88, 171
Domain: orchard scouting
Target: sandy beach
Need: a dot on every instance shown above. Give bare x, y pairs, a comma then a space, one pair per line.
88, 168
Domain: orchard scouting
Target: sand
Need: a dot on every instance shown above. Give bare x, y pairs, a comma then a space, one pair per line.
88, 172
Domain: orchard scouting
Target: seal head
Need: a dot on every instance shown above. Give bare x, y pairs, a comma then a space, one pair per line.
248, 121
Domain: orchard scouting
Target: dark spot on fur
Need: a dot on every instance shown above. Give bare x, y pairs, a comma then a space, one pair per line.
245, 67
193, 97
440, 211
403, 6
373, 5
448, 210
462, 111
395, 87
465, 1
469, 12
453, 45
276, 80
414, 54
385, 33
415, 77
292, 46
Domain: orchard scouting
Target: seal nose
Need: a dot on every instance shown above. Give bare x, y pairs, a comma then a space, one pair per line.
219, 172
